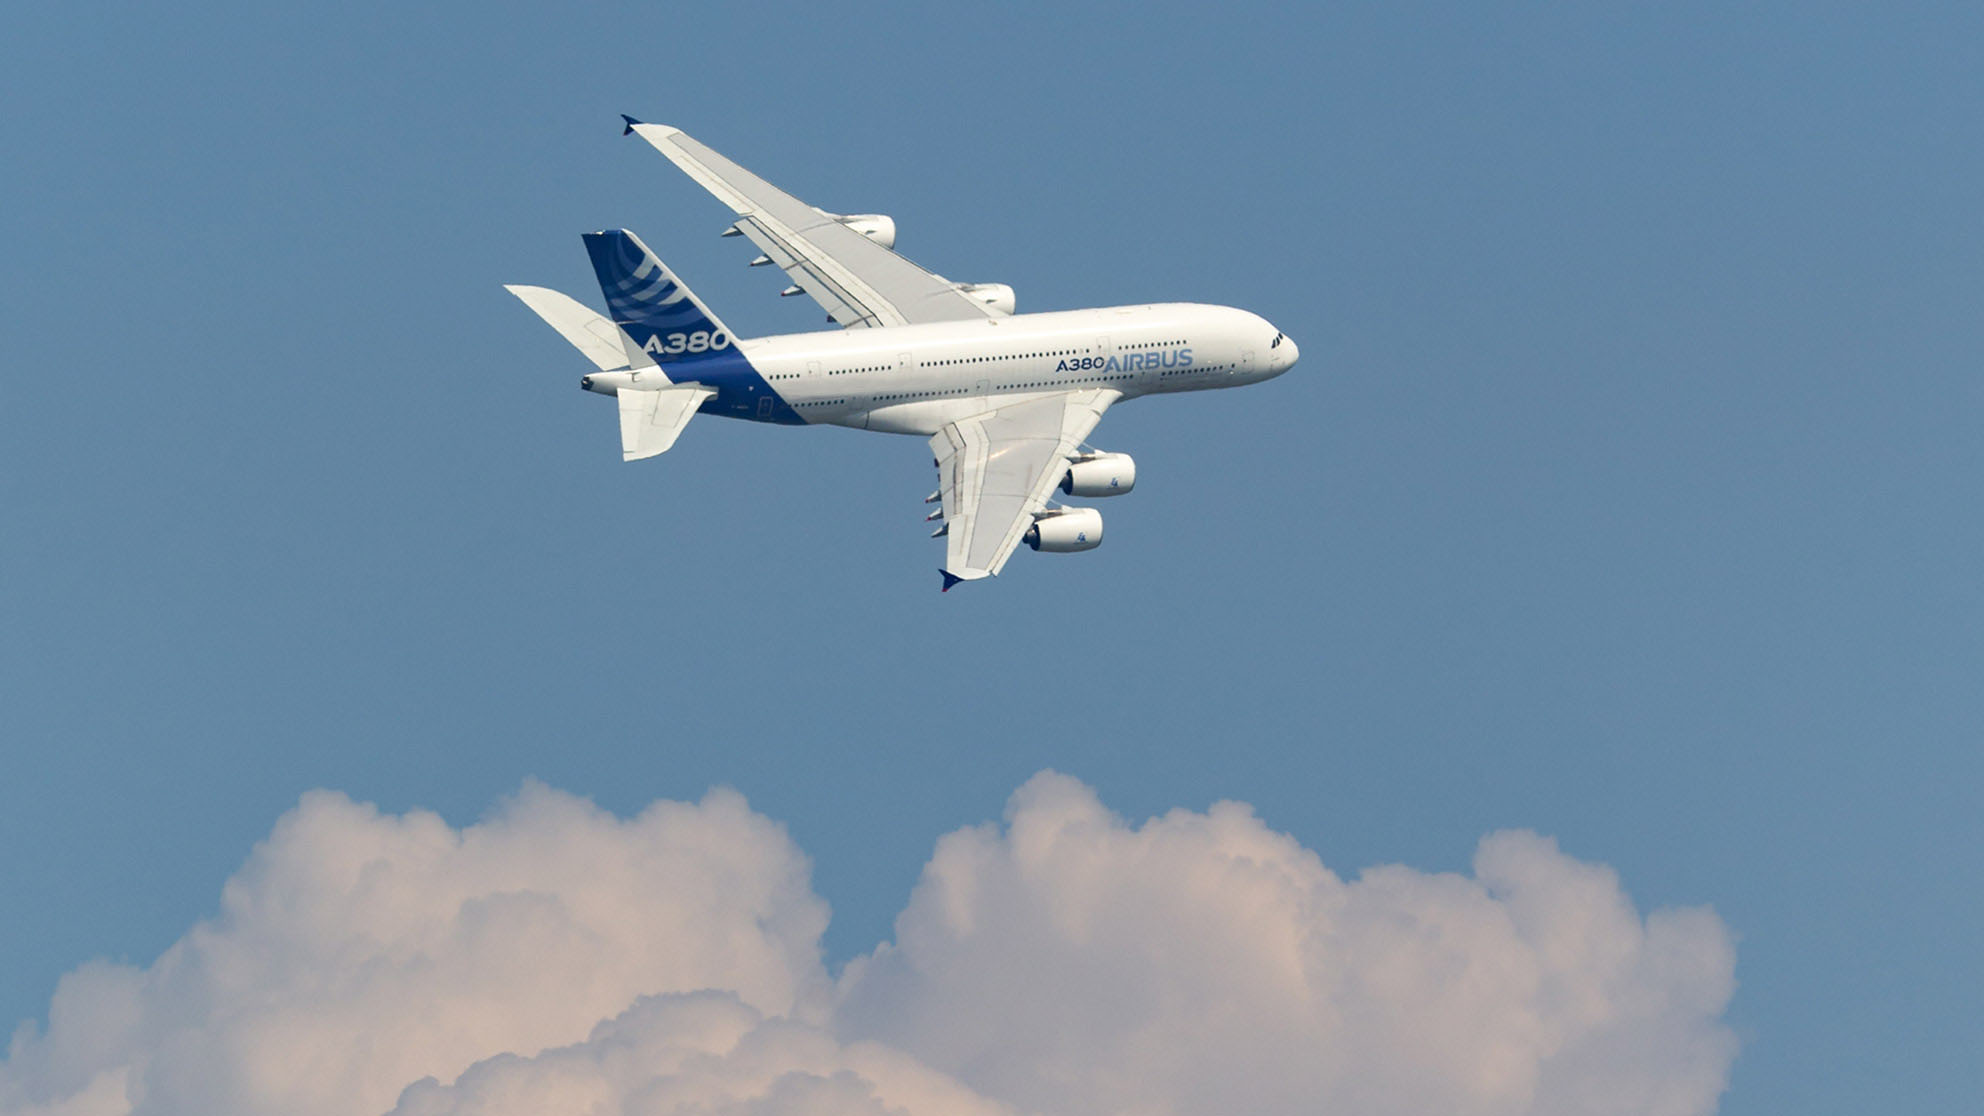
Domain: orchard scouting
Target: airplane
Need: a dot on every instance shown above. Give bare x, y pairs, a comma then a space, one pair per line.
1007, 400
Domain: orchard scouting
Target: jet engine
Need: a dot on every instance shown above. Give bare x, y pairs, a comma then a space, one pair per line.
998, 296
877, 227
1065, 531
1100, 474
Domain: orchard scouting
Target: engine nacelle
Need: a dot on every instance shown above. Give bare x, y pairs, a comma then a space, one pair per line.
1065, 531
877, 227
1101, 474
998, 296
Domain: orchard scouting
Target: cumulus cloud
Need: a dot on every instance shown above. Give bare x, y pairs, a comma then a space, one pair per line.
706, 1053
356, 952
554, 958
1202, 963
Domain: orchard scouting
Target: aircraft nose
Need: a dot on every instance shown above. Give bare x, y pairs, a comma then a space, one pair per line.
1285, 354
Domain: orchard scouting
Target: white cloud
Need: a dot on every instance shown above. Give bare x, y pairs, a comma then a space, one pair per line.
706, 1053
1201, 963
357, 952
553, 958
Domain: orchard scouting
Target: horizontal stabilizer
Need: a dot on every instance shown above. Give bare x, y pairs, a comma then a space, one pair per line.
591, 334
650, 421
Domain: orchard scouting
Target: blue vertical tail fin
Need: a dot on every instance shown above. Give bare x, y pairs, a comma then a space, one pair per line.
664, 321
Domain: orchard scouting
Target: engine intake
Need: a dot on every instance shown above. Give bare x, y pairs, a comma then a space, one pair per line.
1066, 531
877, 227
1100, 474
998, 296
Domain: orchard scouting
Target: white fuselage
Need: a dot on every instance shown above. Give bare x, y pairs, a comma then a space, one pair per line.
917, 379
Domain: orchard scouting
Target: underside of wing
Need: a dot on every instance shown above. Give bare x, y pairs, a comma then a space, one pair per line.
996, 470
857, 280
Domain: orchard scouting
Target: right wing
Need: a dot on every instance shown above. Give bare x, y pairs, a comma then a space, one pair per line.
857, 281
996, 470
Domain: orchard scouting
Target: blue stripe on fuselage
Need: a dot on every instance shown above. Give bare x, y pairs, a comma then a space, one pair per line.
740, 390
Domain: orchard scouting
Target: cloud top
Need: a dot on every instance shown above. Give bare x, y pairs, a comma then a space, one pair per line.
555, 958
1204, 963
356, 952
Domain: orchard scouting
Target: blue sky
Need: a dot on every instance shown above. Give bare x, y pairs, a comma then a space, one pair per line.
1627, 491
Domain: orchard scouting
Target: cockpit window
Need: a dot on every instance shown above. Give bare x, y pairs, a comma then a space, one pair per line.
1276, 343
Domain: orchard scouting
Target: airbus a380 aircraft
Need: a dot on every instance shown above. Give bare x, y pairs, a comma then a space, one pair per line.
1007, 400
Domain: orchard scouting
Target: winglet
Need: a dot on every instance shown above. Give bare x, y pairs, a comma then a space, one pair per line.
950, 579
629, 130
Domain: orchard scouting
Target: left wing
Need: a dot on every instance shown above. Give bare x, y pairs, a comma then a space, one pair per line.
995, 471
857, 281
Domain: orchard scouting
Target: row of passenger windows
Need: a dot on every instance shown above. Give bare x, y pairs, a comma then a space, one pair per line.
896, 396
919, 394
1013, 387
985, 359
1064, 383
1016, 356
